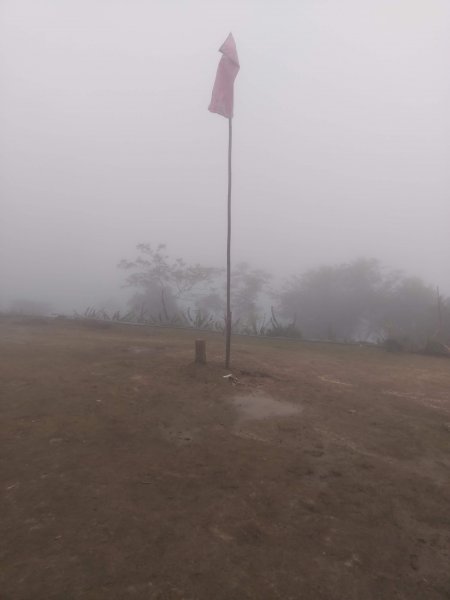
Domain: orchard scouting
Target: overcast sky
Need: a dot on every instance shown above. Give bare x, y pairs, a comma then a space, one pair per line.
341, 138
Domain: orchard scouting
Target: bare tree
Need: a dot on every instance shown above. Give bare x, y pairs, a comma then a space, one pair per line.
156, 275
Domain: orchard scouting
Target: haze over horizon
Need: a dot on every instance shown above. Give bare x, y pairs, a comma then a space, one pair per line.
341, 139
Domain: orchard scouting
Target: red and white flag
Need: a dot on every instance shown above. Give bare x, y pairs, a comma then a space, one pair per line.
222, 94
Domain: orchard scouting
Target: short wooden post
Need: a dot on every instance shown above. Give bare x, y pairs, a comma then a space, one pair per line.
200, 351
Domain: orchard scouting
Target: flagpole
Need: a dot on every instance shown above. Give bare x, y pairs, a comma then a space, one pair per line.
222, 104
228, 318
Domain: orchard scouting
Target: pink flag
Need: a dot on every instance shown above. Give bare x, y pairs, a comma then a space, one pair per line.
222, 94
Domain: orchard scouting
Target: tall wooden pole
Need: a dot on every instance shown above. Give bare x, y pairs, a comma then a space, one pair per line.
228, 317
439, 313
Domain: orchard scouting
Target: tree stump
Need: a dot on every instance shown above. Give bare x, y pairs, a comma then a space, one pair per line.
200, 352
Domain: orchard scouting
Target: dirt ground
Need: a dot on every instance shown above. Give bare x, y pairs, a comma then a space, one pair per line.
129, 472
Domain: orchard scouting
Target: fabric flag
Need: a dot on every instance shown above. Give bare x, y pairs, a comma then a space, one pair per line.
222, 94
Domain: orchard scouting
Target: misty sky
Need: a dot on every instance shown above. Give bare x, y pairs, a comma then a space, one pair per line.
341, 138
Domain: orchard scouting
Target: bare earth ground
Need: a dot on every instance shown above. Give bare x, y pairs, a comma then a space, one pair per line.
129, 472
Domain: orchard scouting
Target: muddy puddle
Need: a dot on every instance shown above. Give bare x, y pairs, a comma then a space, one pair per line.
260, 405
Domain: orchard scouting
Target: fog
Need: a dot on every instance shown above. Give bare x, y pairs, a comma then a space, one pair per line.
341, 138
